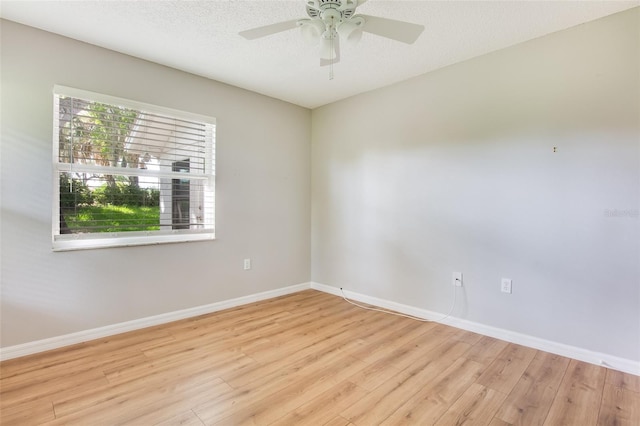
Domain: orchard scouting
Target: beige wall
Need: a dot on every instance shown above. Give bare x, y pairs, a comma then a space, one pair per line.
262, 204
455, 171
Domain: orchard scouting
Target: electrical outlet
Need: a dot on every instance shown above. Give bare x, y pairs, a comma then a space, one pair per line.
247, 264
456, 279
506, 285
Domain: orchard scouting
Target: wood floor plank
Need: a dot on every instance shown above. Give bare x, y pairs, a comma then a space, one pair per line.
143, 406
339, 421
315, 366
433, 399
300, 352
374, 375
88, 362
324, 407
468, 337
82, 354
300, 335
387, 340
69, 403
620, 407
201, 327
405, 355
623, 380
579, 396
187, 418
286, 399
163, 403
476, 406
486, 350
34, 412
76, 382
380, 403
223, 360
505, 371
498, 422
529, 402
383, 401
219, 337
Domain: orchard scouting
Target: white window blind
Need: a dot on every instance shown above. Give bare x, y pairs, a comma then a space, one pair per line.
128, 173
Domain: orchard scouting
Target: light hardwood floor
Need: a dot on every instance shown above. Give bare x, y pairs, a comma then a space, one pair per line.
310, 359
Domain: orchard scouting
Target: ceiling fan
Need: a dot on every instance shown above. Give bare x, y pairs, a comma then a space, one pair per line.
331, 20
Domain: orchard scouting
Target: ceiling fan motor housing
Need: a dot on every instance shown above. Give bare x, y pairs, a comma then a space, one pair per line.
334, 14
346, 8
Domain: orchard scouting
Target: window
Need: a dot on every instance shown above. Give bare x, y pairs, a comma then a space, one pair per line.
127, 173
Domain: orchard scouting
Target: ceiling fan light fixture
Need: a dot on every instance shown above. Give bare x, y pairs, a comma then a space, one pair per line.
351, 31
311, 30
327, 47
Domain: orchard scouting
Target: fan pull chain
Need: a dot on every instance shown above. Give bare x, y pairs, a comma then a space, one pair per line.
333, 47
332, 56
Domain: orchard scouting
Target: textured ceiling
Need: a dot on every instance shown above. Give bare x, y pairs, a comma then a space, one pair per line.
201, 37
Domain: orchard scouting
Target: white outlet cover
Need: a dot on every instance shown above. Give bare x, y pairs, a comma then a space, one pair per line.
506, 285
456, 279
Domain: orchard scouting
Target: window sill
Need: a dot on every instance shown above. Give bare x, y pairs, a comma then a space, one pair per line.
69, 242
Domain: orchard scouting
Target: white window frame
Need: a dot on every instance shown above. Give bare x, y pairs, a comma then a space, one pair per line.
66, 242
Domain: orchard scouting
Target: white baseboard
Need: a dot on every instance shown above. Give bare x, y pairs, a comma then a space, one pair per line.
605, 360
97, 333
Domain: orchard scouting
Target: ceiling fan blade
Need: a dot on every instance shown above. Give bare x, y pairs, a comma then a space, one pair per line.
326, 53
405, 32
268, 30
